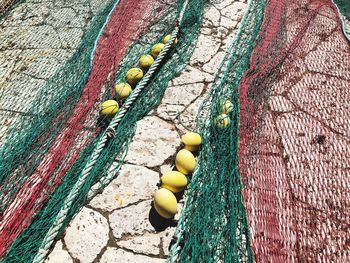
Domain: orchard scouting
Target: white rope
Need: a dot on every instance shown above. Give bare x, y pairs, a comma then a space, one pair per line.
61, 216
104, 181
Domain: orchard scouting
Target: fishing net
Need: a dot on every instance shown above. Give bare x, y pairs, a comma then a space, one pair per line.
344, 7
270, 185
294, 137
36, 158
46, 150
213, 225
292, 159
344, 10
5, 6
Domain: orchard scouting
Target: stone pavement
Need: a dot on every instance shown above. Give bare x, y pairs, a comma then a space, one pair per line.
36, 39
115, 225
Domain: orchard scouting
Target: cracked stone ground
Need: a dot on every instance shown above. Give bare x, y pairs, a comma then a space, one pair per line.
35, 40
114, 226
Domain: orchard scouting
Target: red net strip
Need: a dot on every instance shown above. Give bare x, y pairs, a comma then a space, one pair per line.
294, 155
127, 22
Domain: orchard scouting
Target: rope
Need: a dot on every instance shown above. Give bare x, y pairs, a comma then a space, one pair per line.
110, 131
104, 181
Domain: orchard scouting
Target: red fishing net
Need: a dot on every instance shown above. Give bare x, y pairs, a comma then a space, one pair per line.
295, 135
130, 19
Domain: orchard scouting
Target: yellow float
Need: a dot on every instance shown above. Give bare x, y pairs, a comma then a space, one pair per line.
222, 121
185, 162
145, 62
174, 181
192, 141
109, 108
123, 90
226, 106
156, 49
167, 38
134, 75
165, 203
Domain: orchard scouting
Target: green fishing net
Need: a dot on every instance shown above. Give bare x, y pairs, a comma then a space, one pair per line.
53, 113
213, 225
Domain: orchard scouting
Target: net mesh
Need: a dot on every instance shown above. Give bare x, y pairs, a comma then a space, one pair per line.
42, 161
213, 225
45, 150
344, 7
286, 147
6, 5
293, 150
294, 135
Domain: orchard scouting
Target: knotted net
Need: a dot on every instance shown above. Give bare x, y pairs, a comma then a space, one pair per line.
45, 151
294, 136
292, 159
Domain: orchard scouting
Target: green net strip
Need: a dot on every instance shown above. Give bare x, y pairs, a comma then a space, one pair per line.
344, 7
50, 103
213, 226
26, 246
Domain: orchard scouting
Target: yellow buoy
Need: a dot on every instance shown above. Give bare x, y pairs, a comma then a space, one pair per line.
123, 90
109, 108
134, 75
156, 49
226, 106
165, 203
192, 141
167, 38
174, 181
185, 162
222, 121
145, 62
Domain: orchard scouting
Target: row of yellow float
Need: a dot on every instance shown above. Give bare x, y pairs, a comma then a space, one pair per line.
173, 182
223, 120
109, 108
